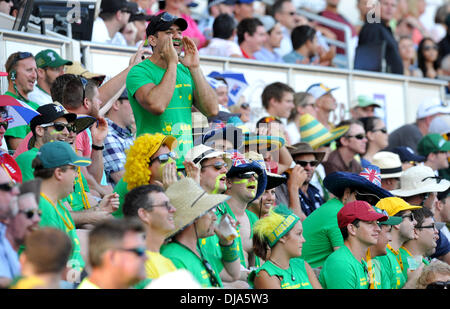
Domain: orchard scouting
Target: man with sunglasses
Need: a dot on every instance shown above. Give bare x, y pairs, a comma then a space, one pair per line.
163, 88
5, 6
348, 146
50, 65
22, 74
116, 254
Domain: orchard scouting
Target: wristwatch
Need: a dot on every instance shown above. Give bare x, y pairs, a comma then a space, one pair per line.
95, 147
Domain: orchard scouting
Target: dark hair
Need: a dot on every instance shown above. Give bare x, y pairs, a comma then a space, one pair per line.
443, 195
3, 112
274, 91
109, 235
302, 34
421, 57
344, 230
421, 214
57, 88
48, 250
247, 25
278, 6
32, 186
369, 122
223, 26
139, 198
44, 173
348, 122
73, 93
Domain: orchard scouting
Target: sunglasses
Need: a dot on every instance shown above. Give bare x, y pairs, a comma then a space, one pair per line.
167, 17
437, 178
438, 285
429, 47
305, 163
431, 226
247, 175
217, 165
164, 157
21, 56
382, 130
31, 213
59, 126
245, 105
8, 186
139, 251
410, 216
357, 136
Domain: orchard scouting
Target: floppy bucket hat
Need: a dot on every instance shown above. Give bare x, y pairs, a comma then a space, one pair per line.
389, 164
305, 148
337, 182
191, 202
77, 69
315, 133
420, 179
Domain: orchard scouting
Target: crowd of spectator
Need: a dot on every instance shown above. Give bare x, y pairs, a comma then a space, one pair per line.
152, 179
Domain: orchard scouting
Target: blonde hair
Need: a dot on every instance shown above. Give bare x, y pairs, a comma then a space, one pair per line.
430, 271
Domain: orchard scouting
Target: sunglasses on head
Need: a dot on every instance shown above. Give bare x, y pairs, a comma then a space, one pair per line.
164, 157
305, 163
31, 212
167, 17
7, 186
217, 165
437, 178
438, 285
59, 126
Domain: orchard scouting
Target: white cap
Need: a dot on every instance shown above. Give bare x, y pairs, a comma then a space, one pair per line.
440, 125
318, 90
433, 106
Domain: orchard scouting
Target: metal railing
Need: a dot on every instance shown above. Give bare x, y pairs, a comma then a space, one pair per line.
349, 53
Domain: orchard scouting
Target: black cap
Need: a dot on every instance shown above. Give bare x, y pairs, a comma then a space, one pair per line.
406, 154
112, 6
140, 14
216, 2
163, 21
49, 113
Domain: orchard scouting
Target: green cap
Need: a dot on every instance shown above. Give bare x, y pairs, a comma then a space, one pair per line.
50, 58
391, 220
364, 101
58, 153
433, 142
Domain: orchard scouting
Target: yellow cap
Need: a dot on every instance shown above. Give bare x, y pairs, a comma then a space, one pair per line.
394, 205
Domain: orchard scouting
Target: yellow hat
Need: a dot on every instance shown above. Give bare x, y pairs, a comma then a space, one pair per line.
394, 205
315, 134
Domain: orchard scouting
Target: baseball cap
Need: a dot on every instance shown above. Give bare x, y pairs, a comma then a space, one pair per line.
430, 107
163, 22
365, 101
49, 113
406, 154
432, 143
216, 2
112, 6
56, 154
318, 90
391, 220
50, 58
358, 210
201, 152
394, 205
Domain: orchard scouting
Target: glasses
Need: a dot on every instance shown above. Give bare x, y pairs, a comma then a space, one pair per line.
30, 213
437, 178
139, 251
245, 105
59, 126
291, 13
167, 205
247, 175
164, 157
8, 186
357, 136
382, 130
217, 165
439, 285
302, 163
431, 226
21, 56
429, 47
410, 216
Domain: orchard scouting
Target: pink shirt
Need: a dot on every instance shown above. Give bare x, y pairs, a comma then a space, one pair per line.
192, 30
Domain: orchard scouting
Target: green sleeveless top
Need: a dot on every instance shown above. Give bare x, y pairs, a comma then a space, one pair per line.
295, 277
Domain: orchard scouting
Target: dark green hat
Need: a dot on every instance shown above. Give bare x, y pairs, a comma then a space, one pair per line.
50, 58
433, 142
392, 220
58, 153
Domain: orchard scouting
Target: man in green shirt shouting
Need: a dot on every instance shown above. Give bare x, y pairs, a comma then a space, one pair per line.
162, 91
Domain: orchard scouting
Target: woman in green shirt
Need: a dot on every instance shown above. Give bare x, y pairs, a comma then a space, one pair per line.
278, 240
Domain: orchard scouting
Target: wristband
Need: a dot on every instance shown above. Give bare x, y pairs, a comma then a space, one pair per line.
229, 253
95, 147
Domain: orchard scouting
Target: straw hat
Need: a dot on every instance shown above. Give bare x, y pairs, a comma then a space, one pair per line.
420, 179
389, 164
315, 134
191, 202
78, 69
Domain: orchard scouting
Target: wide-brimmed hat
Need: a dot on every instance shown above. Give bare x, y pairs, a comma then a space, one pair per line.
241, 165
389, 164
262, 143
273, 180
315, 133
191, 202
420, 179
201, 152
77, 69
394, 205
305, 148
337, 182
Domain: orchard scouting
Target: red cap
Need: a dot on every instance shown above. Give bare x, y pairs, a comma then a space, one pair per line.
358, 210
11, 167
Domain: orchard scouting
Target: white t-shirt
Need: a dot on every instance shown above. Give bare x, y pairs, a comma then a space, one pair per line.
221, 48
39, 96
293, 132
100, 33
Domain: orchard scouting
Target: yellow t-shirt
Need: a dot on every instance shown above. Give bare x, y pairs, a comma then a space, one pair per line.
157, 265
86, 284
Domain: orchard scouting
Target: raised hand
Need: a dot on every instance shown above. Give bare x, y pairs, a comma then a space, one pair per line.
191, 57
168, 51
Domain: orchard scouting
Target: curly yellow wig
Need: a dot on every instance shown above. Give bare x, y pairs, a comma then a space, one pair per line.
137, 171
